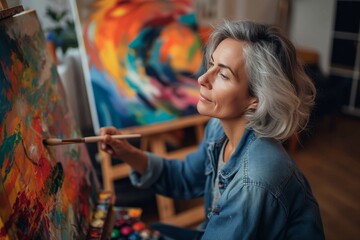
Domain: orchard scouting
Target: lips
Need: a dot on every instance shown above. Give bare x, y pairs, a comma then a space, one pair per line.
203, 98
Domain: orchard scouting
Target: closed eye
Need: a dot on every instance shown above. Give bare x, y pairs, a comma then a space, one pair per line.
222, 66
223, 76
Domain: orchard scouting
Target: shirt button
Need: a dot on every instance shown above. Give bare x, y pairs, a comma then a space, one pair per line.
221, 184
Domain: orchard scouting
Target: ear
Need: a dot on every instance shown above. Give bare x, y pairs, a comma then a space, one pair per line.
253, 104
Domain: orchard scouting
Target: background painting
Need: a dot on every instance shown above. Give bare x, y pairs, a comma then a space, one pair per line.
45, 192
143, 58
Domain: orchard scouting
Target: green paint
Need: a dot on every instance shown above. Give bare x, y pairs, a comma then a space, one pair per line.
194, 48
8, 147
55, 180
75, 154
58, 216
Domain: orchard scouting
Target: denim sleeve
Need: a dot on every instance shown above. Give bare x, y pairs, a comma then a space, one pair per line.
183, 179
153, 171
179, 179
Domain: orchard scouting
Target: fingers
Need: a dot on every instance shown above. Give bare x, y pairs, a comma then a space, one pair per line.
106, 144
104, 147
109, 150
108, 139
109, 131
114, 147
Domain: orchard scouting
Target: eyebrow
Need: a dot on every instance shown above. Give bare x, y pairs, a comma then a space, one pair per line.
225, 66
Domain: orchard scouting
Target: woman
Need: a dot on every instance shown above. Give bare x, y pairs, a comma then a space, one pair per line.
258, 95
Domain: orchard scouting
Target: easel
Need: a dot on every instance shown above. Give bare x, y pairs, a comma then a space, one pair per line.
8, 12
3, 4
154, 139
57, 187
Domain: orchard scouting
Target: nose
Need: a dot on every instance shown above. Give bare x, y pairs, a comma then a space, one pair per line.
204, 80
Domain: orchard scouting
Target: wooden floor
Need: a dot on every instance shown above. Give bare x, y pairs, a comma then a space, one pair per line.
330, 159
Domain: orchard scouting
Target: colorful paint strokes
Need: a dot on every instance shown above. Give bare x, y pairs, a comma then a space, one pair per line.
100, 222
45, 192
143, 58
128, 225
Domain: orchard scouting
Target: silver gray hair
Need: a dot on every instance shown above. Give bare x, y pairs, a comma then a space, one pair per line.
285, 93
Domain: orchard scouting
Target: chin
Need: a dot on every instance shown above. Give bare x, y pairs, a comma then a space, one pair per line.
203, 112
200, 109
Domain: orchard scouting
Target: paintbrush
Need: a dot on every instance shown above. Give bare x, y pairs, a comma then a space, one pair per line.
92, 139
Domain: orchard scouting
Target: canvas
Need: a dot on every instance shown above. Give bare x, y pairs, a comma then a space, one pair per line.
143, 59
45, 192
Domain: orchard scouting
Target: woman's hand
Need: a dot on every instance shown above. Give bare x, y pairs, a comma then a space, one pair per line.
113, 147
122, 149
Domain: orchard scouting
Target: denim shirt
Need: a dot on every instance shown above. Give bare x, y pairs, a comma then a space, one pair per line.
263, 193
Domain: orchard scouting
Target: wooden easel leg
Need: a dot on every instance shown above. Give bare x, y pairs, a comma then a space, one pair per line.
199, 132
106, 169
3, 4
166, 208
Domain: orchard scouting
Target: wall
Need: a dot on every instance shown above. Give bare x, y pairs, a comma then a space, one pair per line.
41, 5
311, 27
257, 10
310, 21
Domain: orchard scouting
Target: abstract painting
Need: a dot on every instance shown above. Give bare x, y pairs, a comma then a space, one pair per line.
45, 192
143, 59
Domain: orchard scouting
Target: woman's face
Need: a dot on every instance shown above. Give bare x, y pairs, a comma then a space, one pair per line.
224, 87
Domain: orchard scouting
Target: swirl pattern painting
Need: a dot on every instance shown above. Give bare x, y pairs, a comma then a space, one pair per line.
143, 59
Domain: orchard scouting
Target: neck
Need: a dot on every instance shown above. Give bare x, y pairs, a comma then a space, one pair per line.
234, 130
